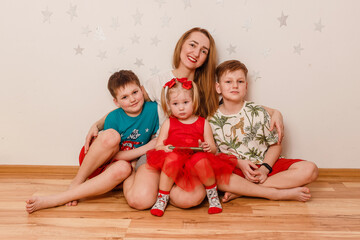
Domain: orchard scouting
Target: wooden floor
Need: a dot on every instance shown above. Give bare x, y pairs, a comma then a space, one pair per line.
333, 212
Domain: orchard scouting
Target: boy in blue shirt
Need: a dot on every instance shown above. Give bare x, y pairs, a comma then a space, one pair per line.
108, 163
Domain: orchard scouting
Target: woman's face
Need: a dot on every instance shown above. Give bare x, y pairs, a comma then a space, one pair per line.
194, 51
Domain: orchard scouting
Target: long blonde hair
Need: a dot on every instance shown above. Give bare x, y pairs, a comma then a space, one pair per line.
166, 92
204, 75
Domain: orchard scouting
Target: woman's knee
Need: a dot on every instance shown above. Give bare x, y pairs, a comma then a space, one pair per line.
110, 138
187, 199
141, 200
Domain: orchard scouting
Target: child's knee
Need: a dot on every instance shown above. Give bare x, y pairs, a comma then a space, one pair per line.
110, 138
311, 171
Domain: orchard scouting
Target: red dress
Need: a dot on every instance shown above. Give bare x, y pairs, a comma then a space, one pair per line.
179, 163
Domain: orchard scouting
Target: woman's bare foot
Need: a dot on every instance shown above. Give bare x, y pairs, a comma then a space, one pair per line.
71, 186
228, 196
301, 194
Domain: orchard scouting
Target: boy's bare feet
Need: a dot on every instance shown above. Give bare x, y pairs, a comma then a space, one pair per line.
228, 196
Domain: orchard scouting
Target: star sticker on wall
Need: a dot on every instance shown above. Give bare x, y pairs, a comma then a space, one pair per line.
155, 41
137, 17
255, 75
78, 50
298, 49
282, 19
102, 55
121, 50
154, 70
220, 2
231, 49
165, 20
72, 11
115, 23
319, 26
139, 62
86, 31
99, 34
160, 2
135, 39
187, 4
266, 52
247, 25
46, 15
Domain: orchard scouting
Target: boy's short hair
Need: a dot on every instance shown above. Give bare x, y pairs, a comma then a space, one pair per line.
231, 66
121, 79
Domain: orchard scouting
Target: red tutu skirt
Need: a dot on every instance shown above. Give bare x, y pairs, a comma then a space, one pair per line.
186, 167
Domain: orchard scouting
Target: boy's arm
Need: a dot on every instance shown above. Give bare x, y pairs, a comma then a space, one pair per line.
271, 156
276, 121
94, 131
132, 154
209, 144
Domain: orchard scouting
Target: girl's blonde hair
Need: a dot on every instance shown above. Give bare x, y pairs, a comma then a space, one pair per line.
204, 75
166, 92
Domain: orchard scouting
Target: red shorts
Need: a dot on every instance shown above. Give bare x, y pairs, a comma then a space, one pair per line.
99, 169
280, 165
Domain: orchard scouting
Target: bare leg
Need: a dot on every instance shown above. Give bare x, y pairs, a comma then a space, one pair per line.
240, 186
298, 174
141, 187
106, 181
100, 151
182, 199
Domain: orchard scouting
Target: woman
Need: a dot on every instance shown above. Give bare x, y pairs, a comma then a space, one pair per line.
194, 58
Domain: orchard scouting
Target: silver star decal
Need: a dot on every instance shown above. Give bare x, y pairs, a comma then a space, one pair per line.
155, 41
115, 24
121, 50
137, 17
319, 26
266, 52
255, 75
139, 62
231, 49
220, 2
46, 15
135, 39
160, 2
72, 11
154, 70
78, 50
99, 34
282, 19
165, 20
247, 25
187, 4
147, 130
86, 31
102, 55
298, 49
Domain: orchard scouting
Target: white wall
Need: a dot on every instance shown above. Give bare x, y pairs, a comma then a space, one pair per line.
50, 94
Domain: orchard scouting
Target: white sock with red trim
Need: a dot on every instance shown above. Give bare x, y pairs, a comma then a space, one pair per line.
161, 202
214, 201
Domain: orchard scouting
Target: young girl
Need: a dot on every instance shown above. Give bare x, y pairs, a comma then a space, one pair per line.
185, 148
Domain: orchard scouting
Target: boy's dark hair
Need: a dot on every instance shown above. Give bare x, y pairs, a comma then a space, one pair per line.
121, 79
231, 66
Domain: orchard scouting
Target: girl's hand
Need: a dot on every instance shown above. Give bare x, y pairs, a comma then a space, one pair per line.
262, 174
164, 148
205, 146
249, 170
277, 121
93, 133
151, 144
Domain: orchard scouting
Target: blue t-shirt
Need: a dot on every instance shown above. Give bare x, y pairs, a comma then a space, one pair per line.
134, 131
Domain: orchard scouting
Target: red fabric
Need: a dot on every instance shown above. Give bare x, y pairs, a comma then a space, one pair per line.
99, 169
179, 164
280, 165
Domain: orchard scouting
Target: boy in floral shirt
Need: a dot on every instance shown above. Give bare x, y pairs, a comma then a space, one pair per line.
241, 128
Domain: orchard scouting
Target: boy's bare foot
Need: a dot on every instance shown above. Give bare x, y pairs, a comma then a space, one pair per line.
301, 194
39, 202
228, 196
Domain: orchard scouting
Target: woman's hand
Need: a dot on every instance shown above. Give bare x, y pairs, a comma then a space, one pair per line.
277, 121
249, 170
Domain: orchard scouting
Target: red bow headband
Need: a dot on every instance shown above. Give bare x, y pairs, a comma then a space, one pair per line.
185, 83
